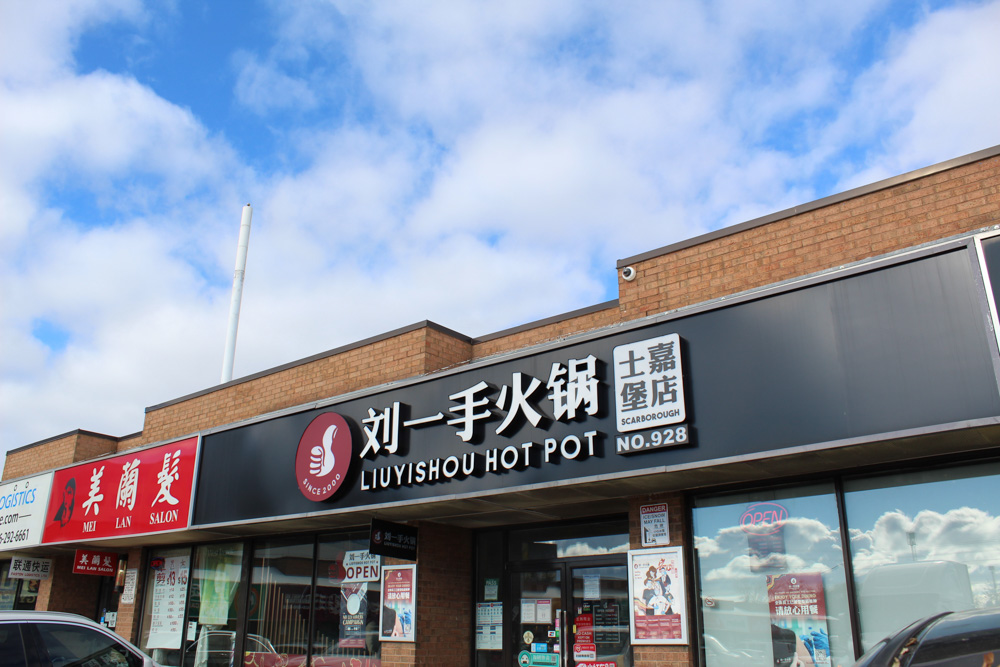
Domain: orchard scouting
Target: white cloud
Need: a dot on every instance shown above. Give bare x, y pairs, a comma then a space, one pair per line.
930, 99
37, 39
492, 163
264, 88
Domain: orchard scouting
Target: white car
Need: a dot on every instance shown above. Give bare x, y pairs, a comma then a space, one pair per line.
55, 639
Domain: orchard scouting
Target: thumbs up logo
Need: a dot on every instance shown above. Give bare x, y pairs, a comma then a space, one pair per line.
323, 456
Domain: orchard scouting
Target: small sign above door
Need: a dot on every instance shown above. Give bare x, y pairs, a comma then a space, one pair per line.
397, 540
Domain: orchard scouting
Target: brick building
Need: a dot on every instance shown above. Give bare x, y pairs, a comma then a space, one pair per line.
763, 447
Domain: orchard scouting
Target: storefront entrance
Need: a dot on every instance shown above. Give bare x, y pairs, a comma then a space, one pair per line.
570, 613
554, 595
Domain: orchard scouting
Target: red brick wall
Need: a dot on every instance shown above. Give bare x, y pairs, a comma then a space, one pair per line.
445, 559
65, 591
409, 354
129, 614
914, 212
938, 206
547, 332
665, 656
444, 588
58, 452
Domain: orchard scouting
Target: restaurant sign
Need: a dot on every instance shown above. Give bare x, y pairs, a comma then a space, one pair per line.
557, 413
740, 379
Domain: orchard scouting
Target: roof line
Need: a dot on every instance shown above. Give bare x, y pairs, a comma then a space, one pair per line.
67, 434
814, 205
316, 357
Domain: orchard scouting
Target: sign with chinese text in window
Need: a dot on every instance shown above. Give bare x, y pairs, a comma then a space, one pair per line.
138, 492
25, 567
101, 563
397, 540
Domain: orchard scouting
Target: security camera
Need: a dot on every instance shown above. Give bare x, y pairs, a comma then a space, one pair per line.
628, 273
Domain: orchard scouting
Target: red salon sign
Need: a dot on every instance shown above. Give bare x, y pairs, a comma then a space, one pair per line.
137, 492
95, 562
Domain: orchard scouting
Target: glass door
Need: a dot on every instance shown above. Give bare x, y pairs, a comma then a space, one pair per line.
538, 617
598, 617
569, 615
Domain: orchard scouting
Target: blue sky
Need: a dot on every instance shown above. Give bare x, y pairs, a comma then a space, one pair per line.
481, 165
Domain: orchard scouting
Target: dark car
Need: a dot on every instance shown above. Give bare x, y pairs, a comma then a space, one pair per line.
53, 639
952, 638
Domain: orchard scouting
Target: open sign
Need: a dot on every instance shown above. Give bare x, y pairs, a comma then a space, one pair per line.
361, 566
763, 518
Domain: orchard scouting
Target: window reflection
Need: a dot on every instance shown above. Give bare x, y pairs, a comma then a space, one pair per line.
347, 603
771, 576
280, 596
592, 539
922, 543
215, 580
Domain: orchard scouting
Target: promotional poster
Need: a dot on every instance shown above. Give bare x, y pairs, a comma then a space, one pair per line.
169, 591
798, 619
399, 603
656, 577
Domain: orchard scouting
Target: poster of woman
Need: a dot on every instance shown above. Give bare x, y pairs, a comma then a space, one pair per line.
659, 605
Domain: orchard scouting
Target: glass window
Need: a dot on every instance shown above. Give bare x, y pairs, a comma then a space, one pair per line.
489, 605
348, 584
8, 587
923, 542
163, 608
770, 571
589, 539
74, 645
212, 609
280, 599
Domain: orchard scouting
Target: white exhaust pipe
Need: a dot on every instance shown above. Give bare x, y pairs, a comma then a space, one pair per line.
234, 304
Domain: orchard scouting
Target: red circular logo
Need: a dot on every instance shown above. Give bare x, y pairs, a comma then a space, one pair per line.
323, 456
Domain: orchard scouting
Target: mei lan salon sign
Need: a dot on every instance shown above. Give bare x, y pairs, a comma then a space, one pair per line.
138, 492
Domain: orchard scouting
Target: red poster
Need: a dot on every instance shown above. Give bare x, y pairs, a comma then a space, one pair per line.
798, 619
399, 603
134, 493
103, 563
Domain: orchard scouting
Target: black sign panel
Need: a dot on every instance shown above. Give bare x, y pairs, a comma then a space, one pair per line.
397, 540
897, 348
